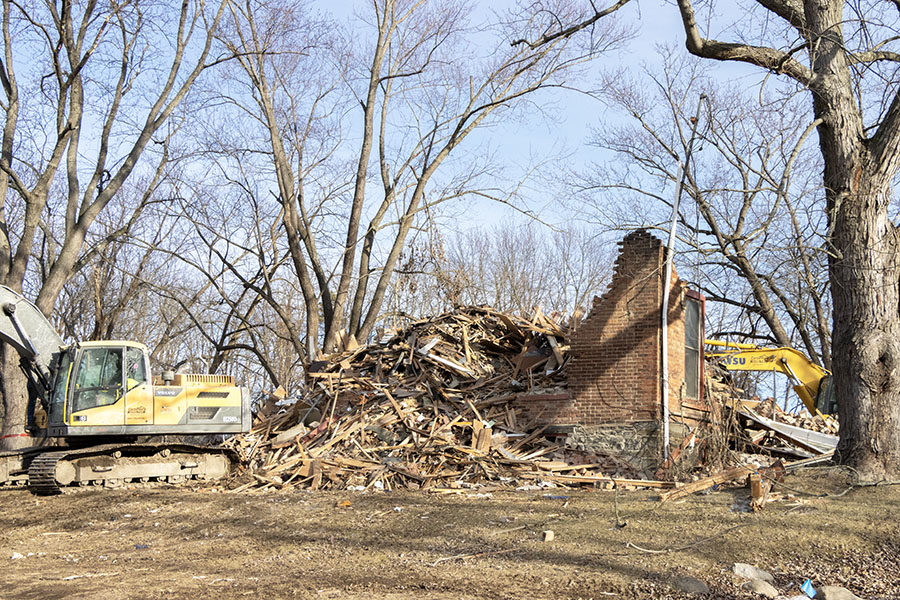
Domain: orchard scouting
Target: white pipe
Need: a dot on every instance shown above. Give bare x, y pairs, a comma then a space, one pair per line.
667, 282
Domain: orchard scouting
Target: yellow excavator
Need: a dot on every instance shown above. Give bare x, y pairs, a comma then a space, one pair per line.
812, 383
114, 418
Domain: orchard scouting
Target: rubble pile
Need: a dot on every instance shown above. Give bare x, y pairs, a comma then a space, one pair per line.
761, 436
439, 405
770, 409
764, 428
432, 407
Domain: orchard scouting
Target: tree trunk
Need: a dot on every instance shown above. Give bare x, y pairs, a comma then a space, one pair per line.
866, 342
14, 390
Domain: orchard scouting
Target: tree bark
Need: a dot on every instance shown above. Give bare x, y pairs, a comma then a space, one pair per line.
14, 388
864, 274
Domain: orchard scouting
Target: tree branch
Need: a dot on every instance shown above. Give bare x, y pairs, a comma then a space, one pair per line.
789, 10
572, 29
768, 58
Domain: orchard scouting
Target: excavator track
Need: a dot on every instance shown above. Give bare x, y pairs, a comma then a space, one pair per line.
42, 474
14, 465
52, 469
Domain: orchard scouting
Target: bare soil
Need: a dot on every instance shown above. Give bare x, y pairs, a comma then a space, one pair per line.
171, 542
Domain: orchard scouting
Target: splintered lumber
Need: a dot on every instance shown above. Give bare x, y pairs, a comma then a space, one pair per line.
554, 346
706, 483
431, 405
809, 461
759, 491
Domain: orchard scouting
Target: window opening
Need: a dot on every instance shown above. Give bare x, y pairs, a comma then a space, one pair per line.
99, 379
692, 350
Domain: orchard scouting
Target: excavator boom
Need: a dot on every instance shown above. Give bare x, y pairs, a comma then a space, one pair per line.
811, 382
24, 327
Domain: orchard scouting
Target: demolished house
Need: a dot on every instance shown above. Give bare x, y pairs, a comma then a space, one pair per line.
476, 396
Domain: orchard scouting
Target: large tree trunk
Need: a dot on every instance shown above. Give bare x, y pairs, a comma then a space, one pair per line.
14, 390
863, 260
866, 341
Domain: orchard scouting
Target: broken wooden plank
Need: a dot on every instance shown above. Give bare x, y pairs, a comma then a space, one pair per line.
759, 491
602, 479
707, 482
554, 346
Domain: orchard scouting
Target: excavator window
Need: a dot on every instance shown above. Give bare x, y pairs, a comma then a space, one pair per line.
99, 379
825, 400
136, 371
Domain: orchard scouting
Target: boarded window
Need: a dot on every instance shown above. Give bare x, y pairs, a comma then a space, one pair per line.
692, 346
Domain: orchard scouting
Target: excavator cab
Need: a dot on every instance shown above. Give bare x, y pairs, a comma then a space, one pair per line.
105, 389
98, 379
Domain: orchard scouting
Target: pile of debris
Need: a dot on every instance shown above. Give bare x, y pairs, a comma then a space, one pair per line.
764, 428
766, 441
769, 408
430, 407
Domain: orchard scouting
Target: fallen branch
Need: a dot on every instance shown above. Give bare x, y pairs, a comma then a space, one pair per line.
468, 556
687, 546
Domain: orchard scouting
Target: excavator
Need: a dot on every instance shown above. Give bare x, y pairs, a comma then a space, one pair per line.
113, 418
812, 383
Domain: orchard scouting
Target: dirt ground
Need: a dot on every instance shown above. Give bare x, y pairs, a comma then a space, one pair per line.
169, 542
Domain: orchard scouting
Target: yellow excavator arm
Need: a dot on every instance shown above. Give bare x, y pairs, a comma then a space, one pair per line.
811, 382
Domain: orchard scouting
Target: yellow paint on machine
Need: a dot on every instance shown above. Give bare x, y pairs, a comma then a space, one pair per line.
163, 404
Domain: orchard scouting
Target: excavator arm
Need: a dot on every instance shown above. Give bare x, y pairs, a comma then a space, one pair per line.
24, 327
810, 381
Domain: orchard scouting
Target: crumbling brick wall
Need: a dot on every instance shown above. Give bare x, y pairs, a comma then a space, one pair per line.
614, 374
613, 401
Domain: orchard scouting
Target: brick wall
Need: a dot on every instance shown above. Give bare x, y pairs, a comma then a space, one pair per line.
615, 373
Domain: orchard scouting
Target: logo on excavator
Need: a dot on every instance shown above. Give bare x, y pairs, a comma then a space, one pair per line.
167, 392
735, 360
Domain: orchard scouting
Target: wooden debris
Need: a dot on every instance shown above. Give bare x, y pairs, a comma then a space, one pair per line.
430, 407
759, 491
706, 483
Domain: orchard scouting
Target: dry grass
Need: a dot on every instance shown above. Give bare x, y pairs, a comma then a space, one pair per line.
173, 543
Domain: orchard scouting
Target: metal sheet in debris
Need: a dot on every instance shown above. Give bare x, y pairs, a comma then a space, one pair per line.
811, 440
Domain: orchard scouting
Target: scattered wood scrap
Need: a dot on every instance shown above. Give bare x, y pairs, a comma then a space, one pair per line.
707, 482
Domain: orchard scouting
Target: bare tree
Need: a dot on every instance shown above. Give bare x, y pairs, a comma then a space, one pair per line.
87, 88
418, 88
847, 62
512, 267
252, 309
749, 218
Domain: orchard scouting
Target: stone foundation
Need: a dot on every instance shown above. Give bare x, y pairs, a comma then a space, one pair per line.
638, 443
